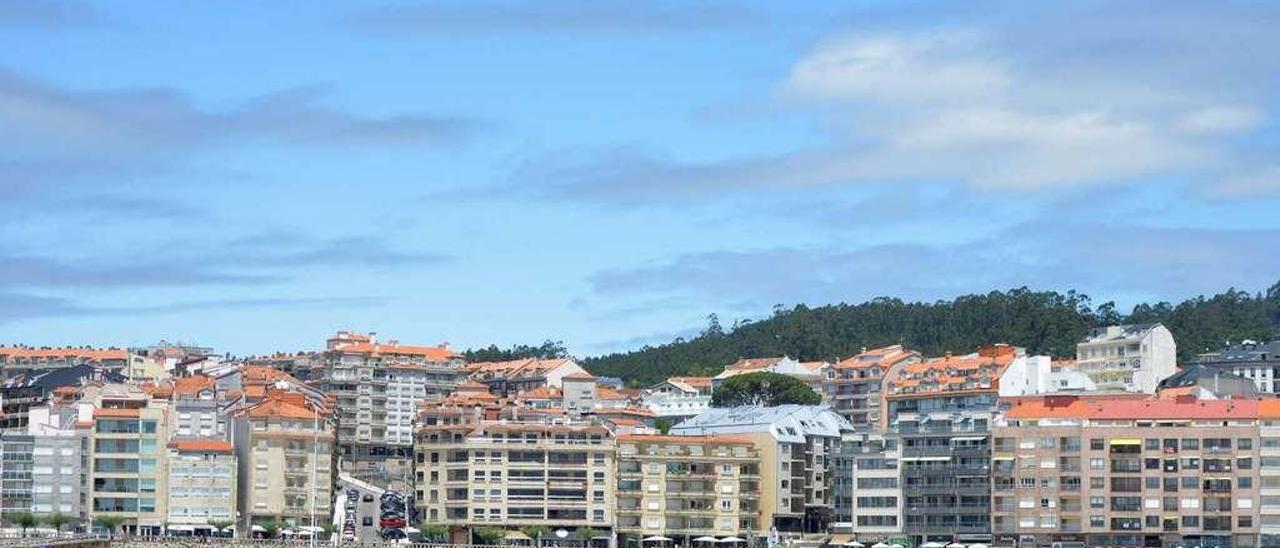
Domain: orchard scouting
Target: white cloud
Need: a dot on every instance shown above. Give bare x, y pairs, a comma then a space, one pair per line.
1220, 119
1265, 180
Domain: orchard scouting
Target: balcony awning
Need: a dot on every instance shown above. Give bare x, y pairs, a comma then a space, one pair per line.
1125, 441
1002, 458
969, 438
909, 459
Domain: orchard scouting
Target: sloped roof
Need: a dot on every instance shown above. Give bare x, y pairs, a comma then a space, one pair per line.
202, 446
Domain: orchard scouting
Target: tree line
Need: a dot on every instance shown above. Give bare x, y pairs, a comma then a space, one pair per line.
1044, 322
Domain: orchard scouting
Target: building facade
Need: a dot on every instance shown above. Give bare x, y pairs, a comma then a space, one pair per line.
852, 386
1256, 361
868, 493
283, 453
378, 388
1128, 358
202, 485
796, 444
1100, 471
128, 477
688, 487
514, 475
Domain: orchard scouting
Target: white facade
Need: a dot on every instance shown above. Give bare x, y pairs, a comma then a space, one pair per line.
1128, 358
1035, 375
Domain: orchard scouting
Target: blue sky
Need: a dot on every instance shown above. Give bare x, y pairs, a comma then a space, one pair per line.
254, 176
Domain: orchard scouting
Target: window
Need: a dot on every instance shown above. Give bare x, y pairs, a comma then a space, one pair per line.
1097, 502
1190, 521
1097, 464
1244, 443
1190, 444
1097, 521
1244, 482
1097, 444
1097, 483
1151, 444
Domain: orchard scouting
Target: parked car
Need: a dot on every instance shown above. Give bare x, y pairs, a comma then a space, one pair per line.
368, 497
393, 534
368, 521
392, 523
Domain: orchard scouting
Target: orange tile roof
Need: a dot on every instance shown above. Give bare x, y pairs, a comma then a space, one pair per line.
624, 411
258, 374
979, 372
1269, 408
190, 386
542, 393
752, 364
579, 376
434, 353
203, 446
91, 354
884, 357
695, 382
279, 406
1128, 408
470, 385
117, 413
610, 394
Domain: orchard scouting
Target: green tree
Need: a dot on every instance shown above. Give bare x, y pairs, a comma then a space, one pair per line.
57, 520
488, 535
110, 523
328, 529
535, 532
434, 532
24, 521
585, 534
221, 525
663, 425
270, 528
767, 389
547, 350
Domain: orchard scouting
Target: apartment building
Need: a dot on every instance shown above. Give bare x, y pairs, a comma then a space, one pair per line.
378, 388
1127, 358
867, 493
200, 411
687, 487
15, 473
796, 444
26, 360
942, 410
283, 453
60, 471
1253, 360
678, 398
128, 478
1115, 471
514, 475
202, 484
1269, 472
852, 386
510, 378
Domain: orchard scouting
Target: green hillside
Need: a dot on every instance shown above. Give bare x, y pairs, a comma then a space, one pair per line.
1045, 322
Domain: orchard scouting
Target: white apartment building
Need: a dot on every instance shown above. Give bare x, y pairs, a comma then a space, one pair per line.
202, 484
1128, 358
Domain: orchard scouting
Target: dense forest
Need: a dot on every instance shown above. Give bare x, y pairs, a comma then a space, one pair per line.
1045, 322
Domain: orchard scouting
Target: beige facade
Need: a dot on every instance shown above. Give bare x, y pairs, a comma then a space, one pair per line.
284, 459
128, 477
516, 475
1127, 473
688, 486
202, 484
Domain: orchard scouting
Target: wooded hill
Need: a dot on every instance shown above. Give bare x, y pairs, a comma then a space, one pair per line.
1045, 322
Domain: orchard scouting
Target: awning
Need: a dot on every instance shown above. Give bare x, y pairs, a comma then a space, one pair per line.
1001, 458
969, 438
259, 529
909, 459
1125, 441
181, 528
705, 539
731, 539
516, 535
955, 545
311, 529
656, 539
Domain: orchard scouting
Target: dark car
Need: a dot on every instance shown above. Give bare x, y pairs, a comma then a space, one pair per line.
368, 498
393, 534
368, 521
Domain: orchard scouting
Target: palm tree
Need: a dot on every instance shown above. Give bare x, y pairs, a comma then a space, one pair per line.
57, 520
221, 525
24, 521
110, 523
271, 528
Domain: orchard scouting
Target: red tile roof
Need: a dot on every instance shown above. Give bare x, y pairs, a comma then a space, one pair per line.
117, 413
1129, 408
433, 353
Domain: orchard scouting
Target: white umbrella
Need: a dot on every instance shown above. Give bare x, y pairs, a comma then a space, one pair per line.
705, 539
895, 545
955, 545
855, 544
879, 545
979, 546
656, 539
731, 539
933, 545
259, 529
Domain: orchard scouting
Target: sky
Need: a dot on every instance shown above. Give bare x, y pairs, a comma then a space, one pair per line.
254, 176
